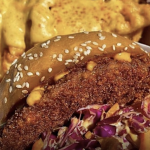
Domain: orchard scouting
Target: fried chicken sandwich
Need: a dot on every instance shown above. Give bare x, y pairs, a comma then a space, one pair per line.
88, 90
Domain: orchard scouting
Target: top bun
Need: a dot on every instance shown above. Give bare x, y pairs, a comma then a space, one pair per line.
54, 56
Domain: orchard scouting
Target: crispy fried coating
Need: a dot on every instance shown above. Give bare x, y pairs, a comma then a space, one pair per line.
110, 81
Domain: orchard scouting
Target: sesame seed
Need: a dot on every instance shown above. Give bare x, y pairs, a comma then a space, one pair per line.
134, 43
24, 91
132, 46
56, 40
41, 54
75, 48
17, 74
54, 56
101, 49
5, 100
87, 42
21, 74
77, 53
14, 62
60, 55
16, 65
119, 54
35, 55
66, 51
27, 84
59, 59
83, 44
88, 51
88, 47
102, 38
81, 58
26, 68
10, 89
125, 48
70, 37
95, 43
85, 53
18, 77
30, 58
23, 85
118, 44
114, 35
23, 54
75, 56
29, 73
104, 46
99, 34
86, 32
7, 72
59, 37
80, 49
30, 54
37, 73
49, 69
114, 48
46, 46
42, 79
18, 86
8, 80
69, 60
48, 42
19, 67
43, 45
15, 79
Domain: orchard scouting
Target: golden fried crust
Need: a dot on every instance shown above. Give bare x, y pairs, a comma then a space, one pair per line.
54, 56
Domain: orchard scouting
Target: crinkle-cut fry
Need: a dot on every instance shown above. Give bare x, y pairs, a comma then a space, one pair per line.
10, 56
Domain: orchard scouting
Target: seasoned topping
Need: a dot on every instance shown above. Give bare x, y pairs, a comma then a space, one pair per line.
35, 95
59, 76
90, 65
124, 56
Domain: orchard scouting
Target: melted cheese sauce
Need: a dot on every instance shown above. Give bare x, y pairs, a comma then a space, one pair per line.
38, 20
24, 23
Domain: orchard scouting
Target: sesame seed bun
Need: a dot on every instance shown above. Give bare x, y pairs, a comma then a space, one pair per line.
54, 56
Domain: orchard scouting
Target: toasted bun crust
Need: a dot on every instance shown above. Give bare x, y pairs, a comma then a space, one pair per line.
52, 57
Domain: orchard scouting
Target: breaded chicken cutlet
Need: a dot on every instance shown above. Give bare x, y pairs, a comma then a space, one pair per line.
106, 75
109, 82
